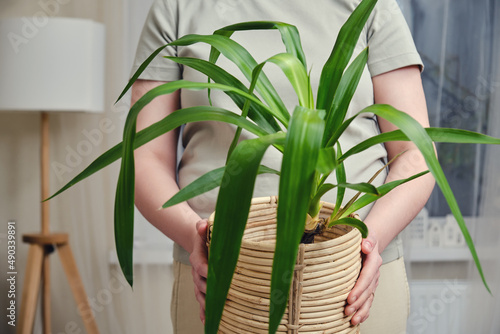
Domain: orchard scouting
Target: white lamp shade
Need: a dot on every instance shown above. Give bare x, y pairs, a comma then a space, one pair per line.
54, 66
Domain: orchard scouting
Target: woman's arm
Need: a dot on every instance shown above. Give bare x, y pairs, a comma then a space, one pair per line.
402, 89
156, 182
155, 171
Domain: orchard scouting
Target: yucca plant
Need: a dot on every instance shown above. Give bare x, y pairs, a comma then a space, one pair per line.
308, 139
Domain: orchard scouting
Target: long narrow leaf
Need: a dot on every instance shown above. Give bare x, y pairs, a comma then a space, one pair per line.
124, 199
323, 189
340, 130
244, 113
382, 190
259, 113
174, 120
327, 160
343, 96
141, 69
352, 222
294, 71
341, 178
363, 187
289, 35
231, 214
437, 135
341, 53
340, 213
205, 183
244, 61
360, 187
298, 167
417, 134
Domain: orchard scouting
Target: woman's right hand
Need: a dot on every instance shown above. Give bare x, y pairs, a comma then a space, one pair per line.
199, 261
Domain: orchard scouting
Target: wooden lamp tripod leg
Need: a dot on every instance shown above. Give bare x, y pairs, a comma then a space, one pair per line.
30, 289
38, 269
41, 246
44, 167
75, 282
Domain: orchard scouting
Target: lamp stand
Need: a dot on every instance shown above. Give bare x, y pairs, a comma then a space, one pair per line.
38, 270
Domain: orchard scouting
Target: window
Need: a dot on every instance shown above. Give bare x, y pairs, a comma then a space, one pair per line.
455, 40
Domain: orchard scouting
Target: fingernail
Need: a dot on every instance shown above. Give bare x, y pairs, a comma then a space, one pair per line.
353, 299
369, 245
349, 310
357, 319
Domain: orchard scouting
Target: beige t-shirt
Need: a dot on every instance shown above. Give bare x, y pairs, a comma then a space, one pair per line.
206, 143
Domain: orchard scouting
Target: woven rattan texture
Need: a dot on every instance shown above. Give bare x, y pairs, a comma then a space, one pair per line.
324, 274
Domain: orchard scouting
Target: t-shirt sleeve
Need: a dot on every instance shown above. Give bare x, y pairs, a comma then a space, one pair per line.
159, 29
389, 39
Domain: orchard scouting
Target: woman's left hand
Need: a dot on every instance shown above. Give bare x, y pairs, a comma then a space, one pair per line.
361, 297
199, 262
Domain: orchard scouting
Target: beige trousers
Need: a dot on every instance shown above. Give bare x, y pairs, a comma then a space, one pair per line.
388, 315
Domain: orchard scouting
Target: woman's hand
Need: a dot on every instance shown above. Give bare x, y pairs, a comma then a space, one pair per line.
401, 88
199, 261
361, 297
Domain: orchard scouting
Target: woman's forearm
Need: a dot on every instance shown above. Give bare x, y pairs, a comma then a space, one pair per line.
154, 186
393, 212
155, 170
402, 89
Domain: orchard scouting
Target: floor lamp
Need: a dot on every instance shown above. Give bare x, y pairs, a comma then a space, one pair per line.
50, 65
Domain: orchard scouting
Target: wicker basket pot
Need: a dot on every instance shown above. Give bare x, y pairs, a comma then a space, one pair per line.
325, 273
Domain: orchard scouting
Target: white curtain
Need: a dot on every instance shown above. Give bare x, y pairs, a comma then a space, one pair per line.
484, 308
459, 43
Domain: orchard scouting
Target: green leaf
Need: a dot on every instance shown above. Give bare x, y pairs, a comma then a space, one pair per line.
382, 190
231, 214
174, 120
205, 183
289, 35
327, 161
438, 135
295, 72
141, 69
124, 200
259, 113
345, 91
341, 53
341, 178
322, 190
363, 187
245, 62
355, 197
352, 222
298, 167
446, 135
244, 113
417, 134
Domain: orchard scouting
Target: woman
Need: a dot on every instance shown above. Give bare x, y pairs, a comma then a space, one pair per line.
392, 76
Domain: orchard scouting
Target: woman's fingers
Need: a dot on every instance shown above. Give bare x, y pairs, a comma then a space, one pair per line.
199, 282
199, 262
369, 272
199, 256
202, 314
363, 313
200, 296
201, 228
361, 297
